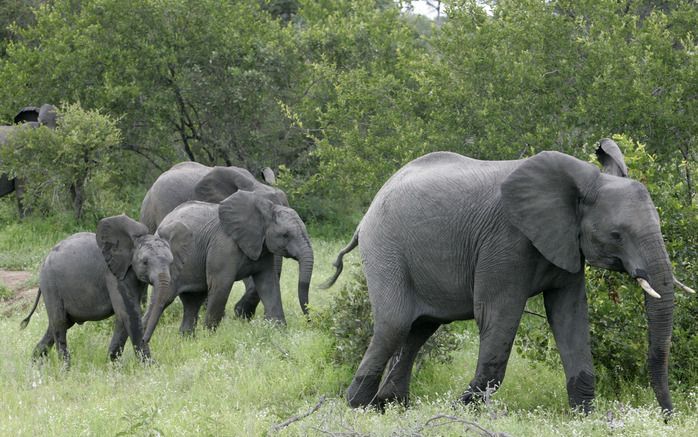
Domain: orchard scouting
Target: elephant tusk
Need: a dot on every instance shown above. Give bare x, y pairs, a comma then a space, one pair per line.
648, 288
684, 287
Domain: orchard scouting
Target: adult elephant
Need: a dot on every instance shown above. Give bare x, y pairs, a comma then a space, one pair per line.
29, 116
193, 181
452, 238
222, 243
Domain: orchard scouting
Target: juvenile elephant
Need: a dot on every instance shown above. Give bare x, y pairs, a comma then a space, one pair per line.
222, 243
91, 276
193, 181
452, 238
28, 117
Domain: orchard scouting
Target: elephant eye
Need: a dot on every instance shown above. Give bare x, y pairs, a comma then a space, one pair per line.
145, 262
616, 236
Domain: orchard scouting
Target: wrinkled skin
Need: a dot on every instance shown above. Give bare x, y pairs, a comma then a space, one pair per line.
29, 117
91, 276
222, 243
193, 181
452, 238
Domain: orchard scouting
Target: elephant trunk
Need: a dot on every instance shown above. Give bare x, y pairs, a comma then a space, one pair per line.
305, 272
659, 313
162, 296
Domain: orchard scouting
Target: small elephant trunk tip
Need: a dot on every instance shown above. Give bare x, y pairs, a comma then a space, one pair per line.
23, 324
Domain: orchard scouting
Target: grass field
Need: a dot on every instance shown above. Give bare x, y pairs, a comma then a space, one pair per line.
253, 378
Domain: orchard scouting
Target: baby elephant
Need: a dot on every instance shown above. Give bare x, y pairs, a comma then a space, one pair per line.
90, 277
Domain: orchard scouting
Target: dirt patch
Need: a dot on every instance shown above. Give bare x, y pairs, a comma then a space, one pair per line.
22, 294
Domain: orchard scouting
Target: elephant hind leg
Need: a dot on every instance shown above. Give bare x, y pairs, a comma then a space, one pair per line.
396, 383
43, 346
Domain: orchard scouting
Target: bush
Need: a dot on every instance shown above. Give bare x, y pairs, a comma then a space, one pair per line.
349, 318
63, 164
616, 307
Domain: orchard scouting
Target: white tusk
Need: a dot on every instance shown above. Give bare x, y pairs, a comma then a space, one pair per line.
648, 288
684, 287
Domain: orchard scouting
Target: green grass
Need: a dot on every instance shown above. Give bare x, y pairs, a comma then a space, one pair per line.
248, 376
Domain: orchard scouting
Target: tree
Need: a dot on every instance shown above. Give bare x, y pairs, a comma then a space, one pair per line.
65, 159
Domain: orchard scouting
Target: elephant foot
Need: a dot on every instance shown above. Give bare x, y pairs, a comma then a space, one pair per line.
245, 310
115, 354
363, 392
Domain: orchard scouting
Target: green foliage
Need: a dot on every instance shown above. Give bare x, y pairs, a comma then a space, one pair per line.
616, 315
61, 162
349, 319
5, 292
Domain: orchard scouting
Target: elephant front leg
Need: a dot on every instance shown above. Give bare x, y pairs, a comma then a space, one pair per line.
566, 310
497, 320
125, 298
269, 290
118, 339
247, 305
192, 303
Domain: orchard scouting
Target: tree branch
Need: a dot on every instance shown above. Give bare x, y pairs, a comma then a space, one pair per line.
284, 424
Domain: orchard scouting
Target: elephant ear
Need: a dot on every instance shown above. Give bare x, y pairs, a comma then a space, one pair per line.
27, 114
611, 158
244, 216
268, 176
221, 182
116, 238
541, 198
47, 115
274, 195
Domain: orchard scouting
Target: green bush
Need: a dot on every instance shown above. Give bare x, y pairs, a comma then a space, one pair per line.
616, 303
349, 319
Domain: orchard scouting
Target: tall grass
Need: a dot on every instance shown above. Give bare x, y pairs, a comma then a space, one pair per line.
247, 377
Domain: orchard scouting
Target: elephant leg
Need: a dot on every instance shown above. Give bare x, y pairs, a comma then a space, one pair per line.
125, 296
566, 310
118, 340
269, 290
219, 287
247, 305
498, 320
43, 346
396, 384
192, 303
60, 337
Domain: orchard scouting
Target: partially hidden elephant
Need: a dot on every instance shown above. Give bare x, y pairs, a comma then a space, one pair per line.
92, 276
453, 238
28, 117
224, 242
193, 181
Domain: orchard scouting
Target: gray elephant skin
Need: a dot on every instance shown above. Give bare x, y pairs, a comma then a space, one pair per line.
224, 242
28, 117
452, 238
91, 276
193, 181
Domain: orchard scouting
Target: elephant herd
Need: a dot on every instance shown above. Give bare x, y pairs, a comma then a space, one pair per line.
446, 238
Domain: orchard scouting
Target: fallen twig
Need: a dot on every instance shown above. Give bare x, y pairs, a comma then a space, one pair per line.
468, 424
287, 422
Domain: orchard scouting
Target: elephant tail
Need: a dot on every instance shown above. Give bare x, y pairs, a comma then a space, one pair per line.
25, 322
339, 264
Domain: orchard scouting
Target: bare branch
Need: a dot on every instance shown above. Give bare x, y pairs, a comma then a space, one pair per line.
284, 424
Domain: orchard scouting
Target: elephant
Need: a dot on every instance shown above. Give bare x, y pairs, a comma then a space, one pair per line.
193, 181
90, 276
225, 242
29, 116
451, 238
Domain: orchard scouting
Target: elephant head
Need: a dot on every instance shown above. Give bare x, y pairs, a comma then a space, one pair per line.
126, 244
254, 222
570, 211
221, 182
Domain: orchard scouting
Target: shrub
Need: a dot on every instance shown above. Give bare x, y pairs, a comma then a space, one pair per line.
349, 318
